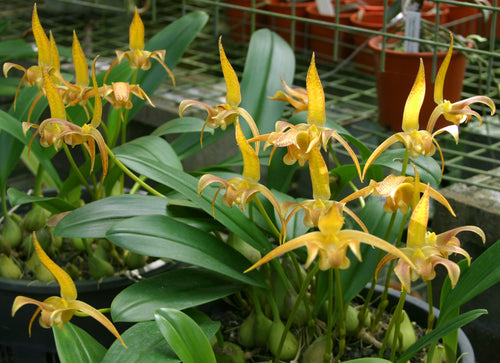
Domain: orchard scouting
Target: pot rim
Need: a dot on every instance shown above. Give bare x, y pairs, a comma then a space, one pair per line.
82, 286
463, 341
374, 44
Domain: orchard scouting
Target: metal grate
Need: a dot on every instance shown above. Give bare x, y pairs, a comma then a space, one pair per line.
350, 93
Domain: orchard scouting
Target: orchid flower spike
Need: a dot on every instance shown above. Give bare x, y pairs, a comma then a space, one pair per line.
58, 310
425, 250
225, 114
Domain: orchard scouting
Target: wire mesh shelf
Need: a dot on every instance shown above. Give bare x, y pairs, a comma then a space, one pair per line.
350, 91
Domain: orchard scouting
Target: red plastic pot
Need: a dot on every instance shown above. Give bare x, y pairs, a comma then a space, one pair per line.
322, 38
467, 19
240, 21
283, 26
394, 84
373, 20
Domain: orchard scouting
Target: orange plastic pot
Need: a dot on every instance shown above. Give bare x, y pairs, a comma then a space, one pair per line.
374, 20
322, 38
395, 82
283, 26
239, 21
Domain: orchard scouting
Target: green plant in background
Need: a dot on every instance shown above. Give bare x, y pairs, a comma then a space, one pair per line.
290, 302
76, 107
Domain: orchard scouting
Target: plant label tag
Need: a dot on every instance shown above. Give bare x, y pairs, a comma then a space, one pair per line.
412, 29
325, 7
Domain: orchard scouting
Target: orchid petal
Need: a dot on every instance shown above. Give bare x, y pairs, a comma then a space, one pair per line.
439, 84
319, 175
374, 241
54, 53
417, 227
97, 315
286, 247
316, 96
334, 134
41, 40
54, 98
96, 117
443, 238
68, 289
251, 163
452, 267
136, 33
233, 95
414, 101
155, 55
80, 63
376, 153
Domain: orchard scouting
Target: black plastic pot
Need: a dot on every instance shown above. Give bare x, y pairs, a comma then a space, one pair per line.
16, 345
418, 311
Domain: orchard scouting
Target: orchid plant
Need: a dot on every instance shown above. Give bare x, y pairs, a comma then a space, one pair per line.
77, 103
292, 266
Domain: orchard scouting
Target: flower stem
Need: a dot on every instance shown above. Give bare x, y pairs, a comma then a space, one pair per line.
395, 322
430, 318
312, 272
340, 303
77, 171
268, 220
132, 175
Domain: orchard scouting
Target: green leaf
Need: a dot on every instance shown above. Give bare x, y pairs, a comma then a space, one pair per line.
268, 59
11, 123
429, 170
76, 345
153, 148
94, 219
187, 185
52, 204
445, 329
162, 236
483, 273
368, 360
177, 289
184, 336
181, 126
145, 343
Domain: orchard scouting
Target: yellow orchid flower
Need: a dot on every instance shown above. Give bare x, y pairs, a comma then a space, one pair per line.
56, 129
457, 112
422, 142
426, 249
48, 58
304, 140
399, 192
225, 114
58, 310
330, 243
119, 94
297, 97
417, 142
240, 191
77, 93
138, 57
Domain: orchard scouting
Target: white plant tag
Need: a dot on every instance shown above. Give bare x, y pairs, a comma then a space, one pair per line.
412, 29
325, 7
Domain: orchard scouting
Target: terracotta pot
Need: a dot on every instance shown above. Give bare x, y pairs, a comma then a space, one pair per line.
321, 38
467, 19
283, 26
485, 26
371, 5
240, 21
373, 20
395, 83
